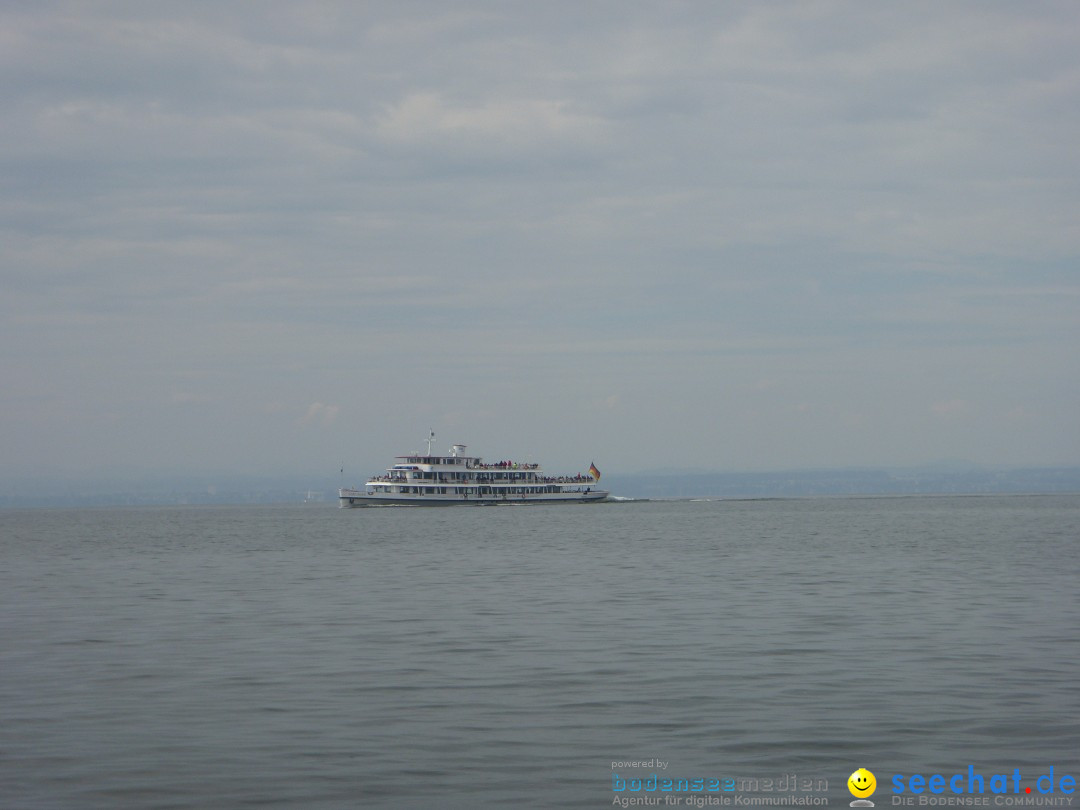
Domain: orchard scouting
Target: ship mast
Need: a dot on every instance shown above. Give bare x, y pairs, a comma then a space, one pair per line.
430, 440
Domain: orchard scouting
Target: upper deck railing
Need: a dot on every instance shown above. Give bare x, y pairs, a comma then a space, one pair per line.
468, 462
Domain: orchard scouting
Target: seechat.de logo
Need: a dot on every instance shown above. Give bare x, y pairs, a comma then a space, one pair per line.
1006, 789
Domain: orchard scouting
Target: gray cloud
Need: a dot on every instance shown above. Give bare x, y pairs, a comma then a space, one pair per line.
501, 219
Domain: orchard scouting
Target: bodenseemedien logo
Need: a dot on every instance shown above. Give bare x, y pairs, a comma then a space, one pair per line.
862, 785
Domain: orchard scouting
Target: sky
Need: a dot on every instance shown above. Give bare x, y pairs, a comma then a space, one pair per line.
278, 237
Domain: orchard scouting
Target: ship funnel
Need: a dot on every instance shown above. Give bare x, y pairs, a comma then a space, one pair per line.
457, 450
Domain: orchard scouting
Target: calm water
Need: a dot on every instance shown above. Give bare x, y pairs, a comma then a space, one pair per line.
505, 657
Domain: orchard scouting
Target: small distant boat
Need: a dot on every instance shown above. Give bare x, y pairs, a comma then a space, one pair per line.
458, 479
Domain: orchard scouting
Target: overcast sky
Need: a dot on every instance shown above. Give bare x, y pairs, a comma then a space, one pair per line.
281, 237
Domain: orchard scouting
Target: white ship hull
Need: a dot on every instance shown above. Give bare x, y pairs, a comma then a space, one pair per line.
351, 498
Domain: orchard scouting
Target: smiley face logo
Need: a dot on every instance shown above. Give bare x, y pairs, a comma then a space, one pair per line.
862, 783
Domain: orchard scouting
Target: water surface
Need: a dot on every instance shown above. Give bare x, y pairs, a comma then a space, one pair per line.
493, 657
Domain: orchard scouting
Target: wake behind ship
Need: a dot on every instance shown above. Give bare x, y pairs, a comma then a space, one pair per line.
458, 479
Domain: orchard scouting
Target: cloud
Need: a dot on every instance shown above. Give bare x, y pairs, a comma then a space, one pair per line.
951, 408
491, 128
190, 398
704, 210
319, 414
609, 403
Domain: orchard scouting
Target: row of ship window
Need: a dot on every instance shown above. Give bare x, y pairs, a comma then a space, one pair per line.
475, 490
456, 476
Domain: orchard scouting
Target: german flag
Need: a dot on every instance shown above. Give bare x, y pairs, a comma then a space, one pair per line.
595, 473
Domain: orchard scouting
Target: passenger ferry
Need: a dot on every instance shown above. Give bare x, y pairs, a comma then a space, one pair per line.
458, 479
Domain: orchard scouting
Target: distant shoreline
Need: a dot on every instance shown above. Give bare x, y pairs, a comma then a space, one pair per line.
239, 490
802, 483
